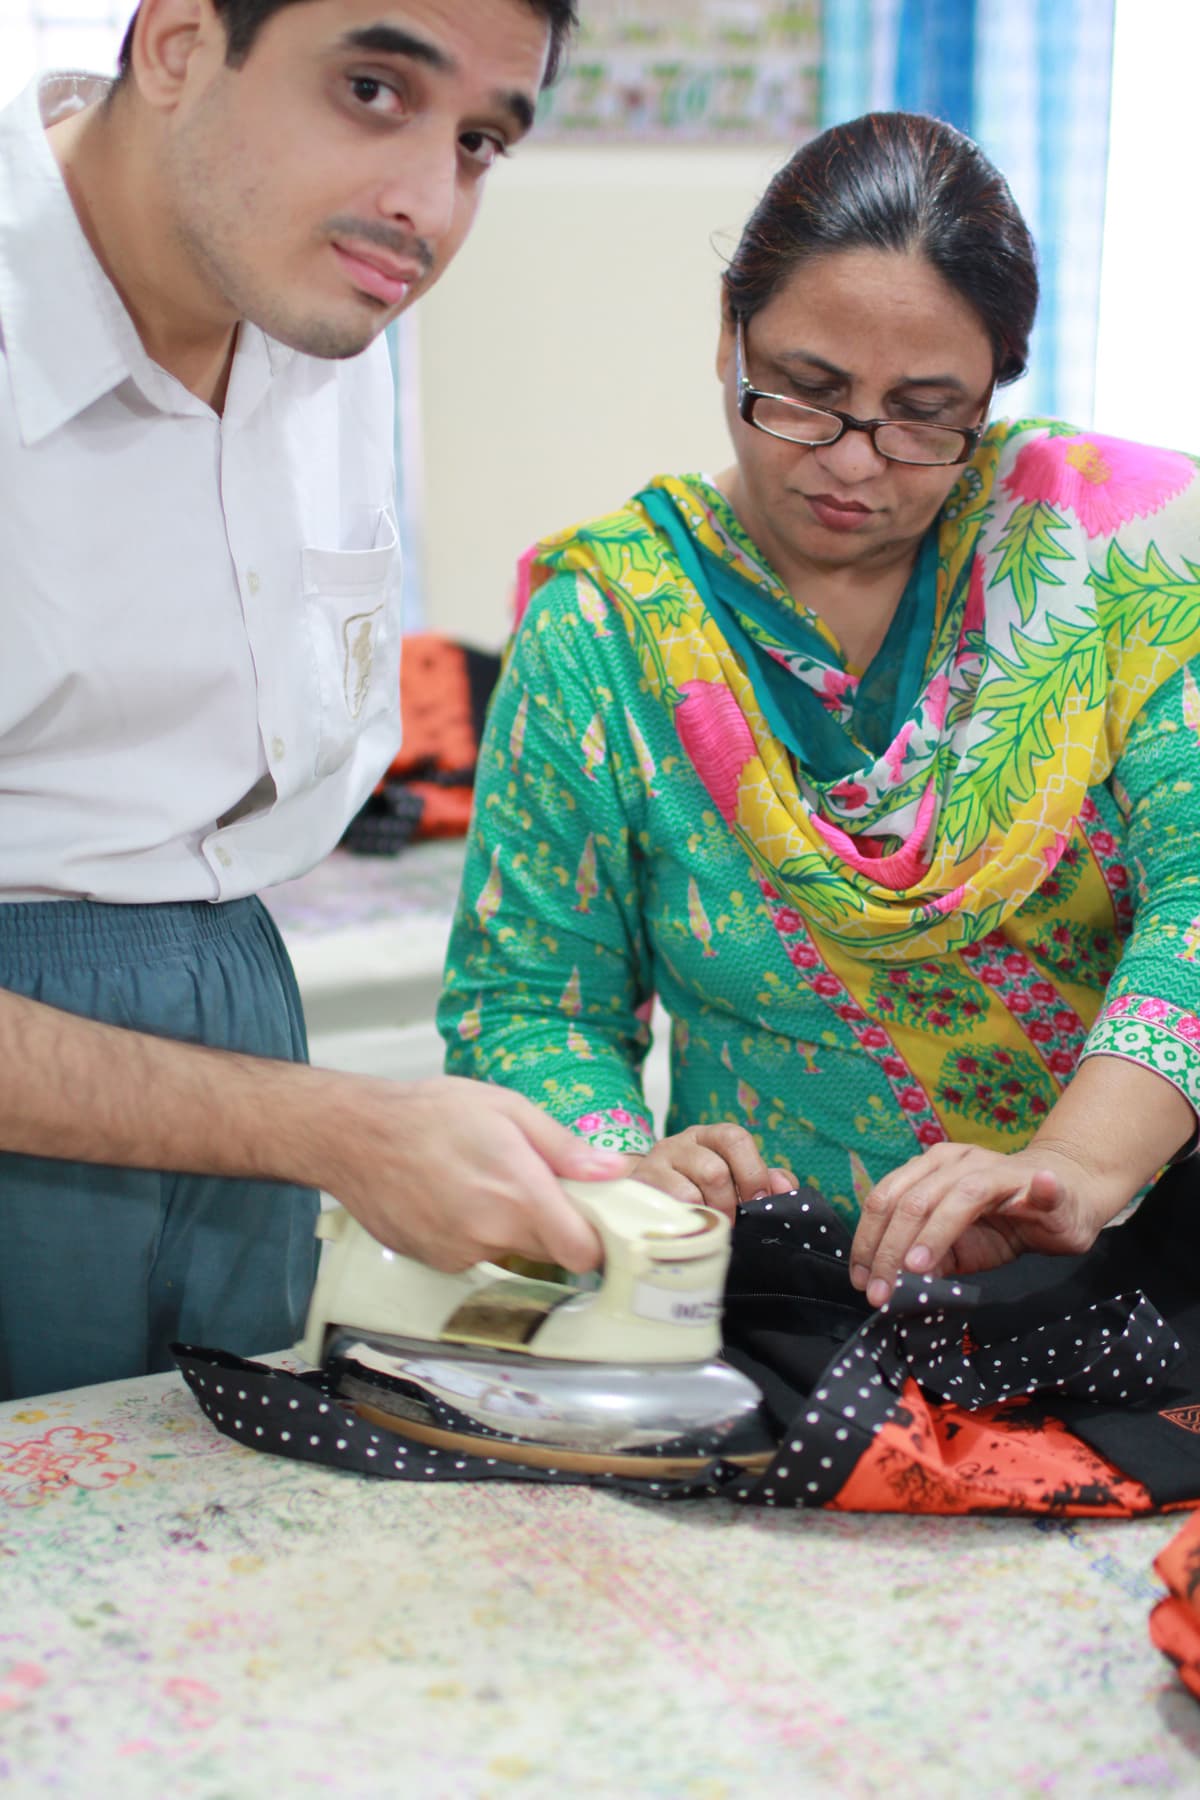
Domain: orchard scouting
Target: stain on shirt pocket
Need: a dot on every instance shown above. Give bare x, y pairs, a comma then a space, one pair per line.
346, 595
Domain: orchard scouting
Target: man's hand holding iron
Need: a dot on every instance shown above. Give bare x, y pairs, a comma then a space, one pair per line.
457, 1172
448, 1171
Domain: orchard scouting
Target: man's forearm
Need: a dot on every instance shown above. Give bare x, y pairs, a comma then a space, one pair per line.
448, 1171
74, 1089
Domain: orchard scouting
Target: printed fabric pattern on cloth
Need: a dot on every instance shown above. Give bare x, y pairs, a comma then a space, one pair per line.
937, 1403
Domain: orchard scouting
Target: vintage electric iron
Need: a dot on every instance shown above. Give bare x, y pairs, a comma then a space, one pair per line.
621, 1379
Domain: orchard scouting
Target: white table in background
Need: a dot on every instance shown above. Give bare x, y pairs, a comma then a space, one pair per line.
368, 936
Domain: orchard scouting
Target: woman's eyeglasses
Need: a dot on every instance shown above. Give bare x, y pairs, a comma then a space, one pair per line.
899, 440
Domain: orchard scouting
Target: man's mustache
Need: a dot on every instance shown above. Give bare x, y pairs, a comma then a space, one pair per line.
405, 245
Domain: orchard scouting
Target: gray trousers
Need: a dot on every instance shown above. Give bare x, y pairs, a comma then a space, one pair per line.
101, 1268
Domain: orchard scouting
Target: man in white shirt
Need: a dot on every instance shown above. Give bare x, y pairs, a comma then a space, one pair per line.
199, 662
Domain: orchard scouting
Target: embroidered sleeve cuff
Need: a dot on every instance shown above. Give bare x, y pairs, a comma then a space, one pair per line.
616, 1128
1154, 1034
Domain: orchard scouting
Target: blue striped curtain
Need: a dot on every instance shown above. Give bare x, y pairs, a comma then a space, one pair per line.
1030, 81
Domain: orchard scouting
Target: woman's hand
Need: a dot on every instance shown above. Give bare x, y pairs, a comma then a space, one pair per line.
710, 1165
958, 1209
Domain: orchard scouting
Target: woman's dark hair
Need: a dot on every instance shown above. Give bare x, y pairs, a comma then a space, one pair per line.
244, 19
903, 182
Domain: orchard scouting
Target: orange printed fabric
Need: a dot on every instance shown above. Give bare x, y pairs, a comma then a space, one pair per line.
934, 1457
435, 708
439, 734
1175, 1621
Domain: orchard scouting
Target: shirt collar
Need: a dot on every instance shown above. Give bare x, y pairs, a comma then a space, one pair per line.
62, 335
66, 334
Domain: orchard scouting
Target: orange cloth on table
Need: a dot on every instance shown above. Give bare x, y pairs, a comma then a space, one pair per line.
1175, 1621
935, 1457
439, 733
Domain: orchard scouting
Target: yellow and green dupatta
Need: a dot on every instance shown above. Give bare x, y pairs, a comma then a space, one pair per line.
910, 811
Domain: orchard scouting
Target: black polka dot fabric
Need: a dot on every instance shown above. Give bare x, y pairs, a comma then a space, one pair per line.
1120, 1351
831, 1370
302, 1416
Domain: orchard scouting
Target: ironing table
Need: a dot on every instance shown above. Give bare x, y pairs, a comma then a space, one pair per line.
182, 1616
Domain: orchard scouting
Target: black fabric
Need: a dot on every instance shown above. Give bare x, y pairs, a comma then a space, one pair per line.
832, 1370
483, 672
1121, 1370
1157, 1250
302, 1417
386, 821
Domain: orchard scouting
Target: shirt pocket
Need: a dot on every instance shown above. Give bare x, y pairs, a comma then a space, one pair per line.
346, 597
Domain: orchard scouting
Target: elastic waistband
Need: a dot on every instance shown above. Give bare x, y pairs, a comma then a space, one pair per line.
37, 933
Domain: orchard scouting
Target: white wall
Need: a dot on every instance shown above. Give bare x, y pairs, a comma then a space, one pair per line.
1148, 360
58, 34
568, 354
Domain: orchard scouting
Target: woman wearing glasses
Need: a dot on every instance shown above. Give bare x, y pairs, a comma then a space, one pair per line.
874, 757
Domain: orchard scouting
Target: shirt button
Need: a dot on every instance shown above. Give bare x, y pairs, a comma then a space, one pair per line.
223, 856
252, 580
277, 748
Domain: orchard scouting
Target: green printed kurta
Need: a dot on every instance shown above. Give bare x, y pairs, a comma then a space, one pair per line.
862, 962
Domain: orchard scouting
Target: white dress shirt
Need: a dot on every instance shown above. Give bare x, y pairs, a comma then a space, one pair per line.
199, 614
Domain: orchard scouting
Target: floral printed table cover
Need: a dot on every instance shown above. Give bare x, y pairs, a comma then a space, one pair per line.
182, 1616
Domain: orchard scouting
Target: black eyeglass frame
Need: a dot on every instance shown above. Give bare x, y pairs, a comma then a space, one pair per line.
747, 397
